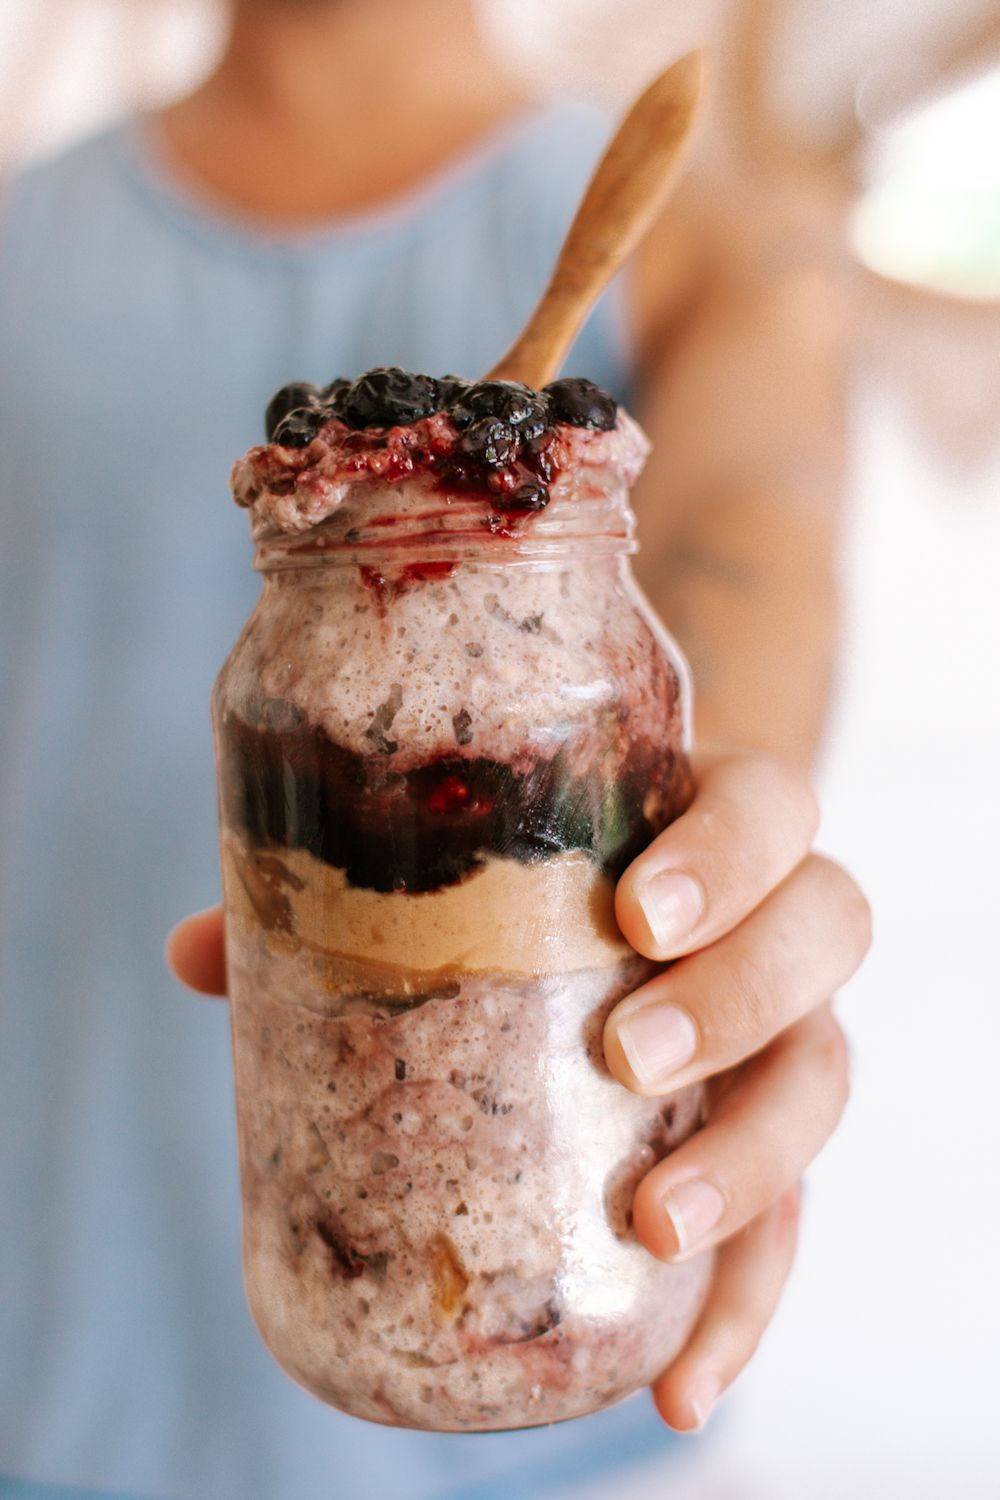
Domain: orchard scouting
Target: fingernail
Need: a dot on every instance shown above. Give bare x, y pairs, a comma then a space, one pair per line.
702, 1397
657, 1040
672, 904
693, 1208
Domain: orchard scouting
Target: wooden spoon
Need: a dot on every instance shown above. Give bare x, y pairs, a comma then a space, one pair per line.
631, 184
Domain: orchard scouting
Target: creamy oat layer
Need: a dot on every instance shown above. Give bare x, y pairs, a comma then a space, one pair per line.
518, 654
430, 1238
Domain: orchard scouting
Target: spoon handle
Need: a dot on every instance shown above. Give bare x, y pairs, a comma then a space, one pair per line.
627, 191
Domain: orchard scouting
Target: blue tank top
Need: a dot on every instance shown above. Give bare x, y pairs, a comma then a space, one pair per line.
141, 334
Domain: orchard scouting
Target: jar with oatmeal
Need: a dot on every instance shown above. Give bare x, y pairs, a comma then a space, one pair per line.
448, 726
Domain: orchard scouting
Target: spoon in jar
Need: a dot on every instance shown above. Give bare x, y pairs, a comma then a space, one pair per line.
630, 186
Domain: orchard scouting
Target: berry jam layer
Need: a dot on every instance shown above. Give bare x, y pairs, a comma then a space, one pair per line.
436, 823
433, 1236
513, 448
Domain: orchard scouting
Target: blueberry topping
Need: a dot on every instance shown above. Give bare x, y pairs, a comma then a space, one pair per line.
506, 431
388, 398
299, 393
489, 442
528, 496
535, 422
581, 403
537, 456
330, 393
452, 390
298, 429
506, 400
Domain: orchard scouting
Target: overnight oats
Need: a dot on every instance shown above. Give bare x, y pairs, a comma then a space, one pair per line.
448, 726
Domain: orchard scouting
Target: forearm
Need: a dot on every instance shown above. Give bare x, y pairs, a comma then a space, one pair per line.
749, 590
740, 509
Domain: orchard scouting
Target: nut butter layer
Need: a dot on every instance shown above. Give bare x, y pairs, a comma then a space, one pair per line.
553, 917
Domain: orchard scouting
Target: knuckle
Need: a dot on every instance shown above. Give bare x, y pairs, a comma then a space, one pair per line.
833, 1060
857, 914
789, 1205
799, 793
853, 909
778, 1161
725, 871
750, 1336
862, 917
751, 1006
790, 785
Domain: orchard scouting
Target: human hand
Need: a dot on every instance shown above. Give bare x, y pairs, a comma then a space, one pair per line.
760, 933
196, 952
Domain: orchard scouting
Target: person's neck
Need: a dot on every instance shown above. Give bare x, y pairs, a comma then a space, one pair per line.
317, 110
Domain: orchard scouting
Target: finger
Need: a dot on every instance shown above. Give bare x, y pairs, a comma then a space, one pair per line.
776, 1116
195, 952
712, 1009
750, 1275
752, 821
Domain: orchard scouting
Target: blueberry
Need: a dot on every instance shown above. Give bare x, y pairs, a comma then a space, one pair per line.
489, 442
536, 455
298, 429
299, 393
451, 391
581, 403
507, 400
527, 496
330, 394
388, 397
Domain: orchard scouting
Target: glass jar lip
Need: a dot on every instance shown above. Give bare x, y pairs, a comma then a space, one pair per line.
269, 559
455, 528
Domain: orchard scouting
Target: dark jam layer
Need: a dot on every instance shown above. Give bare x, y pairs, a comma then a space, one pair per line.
286, 785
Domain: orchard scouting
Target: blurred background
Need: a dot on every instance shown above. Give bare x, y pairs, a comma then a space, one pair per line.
880, 1370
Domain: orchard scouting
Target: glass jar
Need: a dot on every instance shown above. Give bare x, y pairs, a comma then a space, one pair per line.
439, 743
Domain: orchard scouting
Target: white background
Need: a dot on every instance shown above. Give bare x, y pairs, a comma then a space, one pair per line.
880, 1375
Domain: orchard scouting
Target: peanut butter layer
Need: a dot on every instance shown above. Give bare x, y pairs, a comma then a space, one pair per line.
554, 917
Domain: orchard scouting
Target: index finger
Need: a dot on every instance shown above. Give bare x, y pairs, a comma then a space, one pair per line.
752, 821
195, 952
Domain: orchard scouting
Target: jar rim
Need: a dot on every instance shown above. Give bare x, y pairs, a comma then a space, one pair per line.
446, 527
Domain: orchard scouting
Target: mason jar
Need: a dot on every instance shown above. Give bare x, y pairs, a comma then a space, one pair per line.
442, 736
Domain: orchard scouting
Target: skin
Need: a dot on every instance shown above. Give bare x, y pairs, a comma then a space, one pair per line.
739, 322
